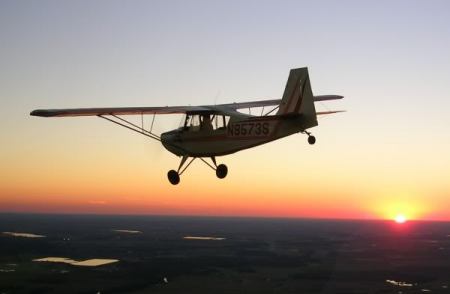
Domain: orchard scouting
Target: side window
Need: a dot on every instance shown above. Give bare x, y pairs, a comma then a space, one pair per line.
193, 123
206, 122
220, 121
187, 121
217, 122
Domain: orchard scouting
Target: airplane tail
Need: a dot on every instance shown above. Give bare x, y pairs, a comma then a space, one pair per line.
298, 98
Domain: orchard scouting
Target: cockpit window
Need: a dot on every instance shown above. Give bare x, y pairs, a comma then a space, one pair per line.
197, 122
220, 121
206, 122
192, 122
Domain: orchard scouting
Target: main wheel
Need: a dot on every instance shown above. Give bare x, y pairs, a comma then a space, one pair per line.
173, 176
311, 140
221, 171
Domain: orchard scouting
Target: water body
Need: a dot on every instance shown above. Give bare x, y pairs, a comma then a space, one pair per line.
203, 238
23, 235
88, 262
400, 284
128, 231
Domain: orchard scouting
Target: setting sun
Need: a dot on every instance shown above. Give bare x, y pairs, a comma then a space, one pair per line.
400, 219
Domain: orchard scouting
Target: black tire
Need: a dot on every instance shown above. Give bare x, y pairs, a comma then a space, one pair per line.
173, 176
221, 171
311, 140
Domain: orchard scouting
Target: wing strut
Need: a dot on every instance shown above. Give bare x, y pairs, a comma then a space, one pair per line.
131, 126
272, 110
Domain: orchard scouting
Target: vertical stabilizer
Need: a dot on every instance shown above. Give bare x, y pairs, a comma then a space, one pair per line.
298, 97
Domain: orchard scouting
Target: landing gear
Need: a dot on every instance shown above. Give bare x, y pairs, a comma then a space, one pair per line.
311, 138
221, 171
174, 175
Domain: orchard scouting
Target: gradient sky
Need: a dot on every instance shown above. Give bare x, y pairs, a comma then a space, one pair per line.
388, 154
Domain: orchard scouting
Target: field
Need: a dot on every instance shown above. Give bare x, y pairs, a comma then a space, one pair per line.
221, 255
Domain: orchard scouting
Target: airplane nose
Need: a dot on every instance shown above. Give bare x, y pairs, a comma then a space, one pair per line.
170, 137
165, 137
171, 141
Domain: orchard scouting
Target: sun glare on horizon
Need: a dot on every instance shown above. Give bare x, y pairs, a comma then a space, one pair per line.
400, 219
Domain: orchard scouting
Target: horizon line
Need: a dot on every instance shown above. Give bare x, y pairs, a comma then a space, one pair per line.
211, 216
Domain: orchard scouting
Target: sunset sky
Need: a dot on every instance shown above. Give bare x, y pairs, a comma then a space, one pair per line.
389, 154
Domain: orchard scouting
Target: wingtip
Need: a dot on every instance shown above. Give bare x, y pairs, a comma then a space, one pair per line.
40, 112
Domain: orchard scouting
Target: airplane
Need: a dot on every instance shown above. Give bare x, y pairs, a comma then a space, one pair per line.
210, 131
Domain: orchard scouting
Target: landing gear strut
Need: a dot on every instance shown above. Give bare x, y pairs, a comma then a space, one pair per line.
174, 175
311, 138
221, 169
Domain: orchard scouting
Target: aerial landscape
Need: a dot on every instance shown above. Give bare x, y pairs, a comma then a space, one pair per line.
225, 146
151, 254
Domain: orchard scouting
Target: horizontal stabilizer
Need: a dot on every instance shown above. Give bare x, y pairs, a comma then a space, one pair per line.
327, 97
329, 112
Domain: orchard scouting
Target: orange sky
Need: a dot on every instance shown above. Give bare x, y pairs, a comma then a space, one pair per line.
75, 175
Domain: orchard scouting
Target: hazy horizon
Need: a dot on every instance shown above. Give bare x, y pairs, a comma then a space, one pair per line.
211, 216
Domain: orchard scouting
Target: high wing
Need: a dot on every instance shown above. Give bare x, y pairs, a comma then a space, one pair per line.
230, 107
274, 102
251, 104
150, 110
117, 111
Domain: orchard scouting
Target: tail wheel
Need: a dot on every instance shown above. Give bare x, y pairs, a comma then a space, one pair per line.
311, 140
221, 171
174, 177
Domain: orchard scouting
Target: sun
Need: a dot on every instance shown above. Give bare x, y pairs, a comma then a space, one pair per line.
400, 219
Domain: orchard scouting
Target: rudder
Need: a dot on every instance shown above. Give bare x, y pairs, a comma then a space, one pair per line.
298, 97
